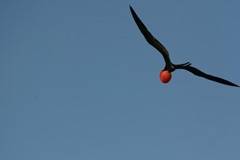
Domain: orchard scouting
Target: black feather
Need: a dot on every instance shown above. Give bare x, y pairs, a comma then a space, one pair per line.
150, 38
200, 73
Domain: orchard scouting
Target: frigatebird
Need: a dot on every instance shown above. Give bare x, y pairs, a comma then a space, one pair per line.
165, 74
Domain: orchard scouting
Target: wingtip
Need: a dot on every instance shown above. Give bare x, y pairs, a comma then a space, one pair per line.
130, 7
133, 12
235, 85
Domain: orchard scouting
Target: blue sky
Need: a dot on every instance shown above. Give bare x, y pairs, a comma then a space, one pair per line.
78, 80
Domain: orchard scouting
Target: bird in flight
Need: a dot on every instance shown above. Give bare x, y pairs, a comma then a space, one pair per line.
165, 74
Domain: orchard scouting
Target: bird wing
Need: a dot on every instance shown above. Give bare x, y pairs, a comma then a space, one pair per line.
150, 38
197, 72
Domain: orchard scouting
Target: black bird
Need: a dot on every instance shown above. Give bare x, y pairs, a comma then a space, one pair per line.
165, 74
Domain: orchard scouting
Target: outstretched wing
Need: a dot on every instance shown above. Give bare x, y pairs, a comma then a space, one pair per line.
197, 72
150, 38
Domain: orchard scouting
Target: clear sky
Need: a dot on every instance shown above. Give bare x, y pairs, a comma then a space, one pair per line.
79, 82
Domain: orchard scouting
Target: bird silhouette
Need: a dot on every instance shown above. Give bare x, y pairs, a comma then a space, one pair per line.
165, 74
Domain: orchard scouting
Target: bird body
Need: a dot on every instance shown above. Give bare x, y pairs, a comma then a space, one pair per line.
165, 74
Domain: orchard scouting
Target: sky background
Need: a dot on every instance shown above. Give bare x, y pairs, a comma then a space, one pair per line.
78, 80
